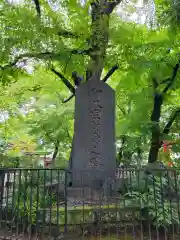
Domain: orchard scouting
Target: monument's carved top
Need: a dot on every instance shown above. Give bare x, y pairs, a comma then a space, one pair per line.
94, 83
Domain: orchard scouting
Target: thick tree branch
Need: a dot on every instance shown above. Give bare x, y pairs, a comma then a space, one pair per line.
56, 149
122, 110
69, 98
32, 89
67, 34
167, 127
171, 80
65, 81
81, 52
110, 5
155, 84
38, 9
77, 81
111, 71
68, 134
48, 136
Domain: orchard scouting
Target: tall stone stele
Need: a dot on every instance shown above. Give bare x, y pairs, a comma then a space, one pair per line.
93, 156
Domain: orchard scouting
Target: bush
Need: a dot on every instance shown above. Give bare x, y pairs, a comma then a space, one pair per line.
149, 193
29, 198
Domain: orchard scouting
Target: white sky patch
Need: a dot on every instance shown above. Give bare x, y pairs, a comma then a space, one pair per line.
82, 2
144, 12
15, 1
3, 116
141, 13
28, 107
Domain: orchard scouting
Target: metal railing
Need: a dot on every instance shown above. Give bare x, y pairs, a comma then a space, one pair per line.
134, 204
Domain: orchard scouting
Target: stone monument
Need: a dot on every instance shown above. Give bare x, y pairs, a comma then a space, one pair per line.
93, 156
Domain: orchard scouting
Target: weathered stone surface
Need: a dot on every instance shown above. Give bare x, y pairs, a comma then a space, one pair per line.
93, 148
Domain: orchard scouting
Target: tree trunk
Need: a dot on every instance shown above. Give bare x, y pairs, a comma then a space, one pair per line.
100, 15
156, 140
156, 133
120, 153
169, 124
139, 156
56, 149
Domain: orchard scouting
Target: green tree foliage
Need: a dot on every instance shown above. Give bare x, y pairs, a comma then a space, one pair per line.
75, 35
